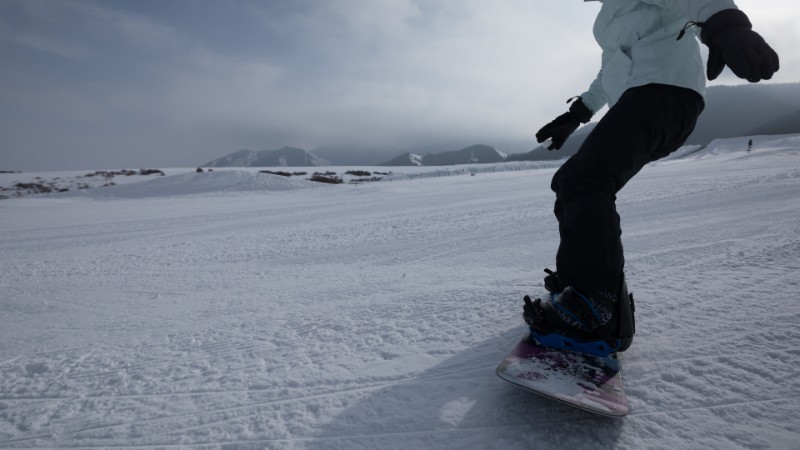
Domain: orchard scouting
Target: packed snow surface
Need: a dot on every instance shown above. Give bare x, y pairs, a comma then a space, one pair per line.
241, 312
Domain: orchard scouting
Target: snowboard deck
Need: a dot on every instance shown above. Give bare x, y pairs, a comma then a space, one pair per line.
591, 383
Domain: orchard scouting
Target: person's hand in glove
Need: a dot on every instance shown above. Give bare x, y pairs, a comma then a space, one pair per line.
732, 42
564, 125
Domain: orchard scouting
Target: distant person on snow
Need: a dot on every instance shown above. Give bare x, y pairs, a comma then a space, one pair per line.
652, 79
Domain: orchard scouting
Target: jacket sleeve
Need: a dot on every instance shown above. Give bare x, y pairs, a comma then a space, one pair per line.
595, 97
695, 10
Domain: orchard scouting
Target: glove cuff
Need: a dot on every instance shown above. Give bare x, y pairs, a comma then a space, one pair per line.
580, 111
728, 18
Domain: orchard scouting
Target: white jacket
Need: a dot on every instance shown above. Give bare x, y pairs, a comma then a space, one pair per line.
638, 39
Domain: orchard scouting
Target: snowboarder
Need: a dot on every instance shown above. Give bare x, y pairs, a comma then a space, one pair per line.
652, 79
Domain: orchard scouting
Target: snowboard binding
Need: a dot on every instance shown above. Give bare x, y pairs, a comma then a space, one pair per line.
584, 330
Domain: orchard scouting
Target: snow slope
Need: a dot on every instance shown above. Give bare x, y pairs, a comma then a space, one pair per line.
373, 316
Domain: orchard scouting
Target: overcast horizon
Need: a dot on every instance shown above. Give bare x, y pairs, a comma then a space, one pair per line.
110, 84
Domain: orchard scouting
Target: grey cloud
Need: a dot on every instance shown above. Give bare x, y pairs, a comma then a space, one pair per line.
181, 85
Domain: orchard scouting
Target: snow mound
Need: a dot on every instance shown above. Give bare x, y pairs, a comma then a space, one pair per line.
222, 181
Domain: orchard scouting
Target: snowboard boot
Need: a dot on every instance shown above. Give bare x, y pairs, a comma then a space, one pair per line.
595, 323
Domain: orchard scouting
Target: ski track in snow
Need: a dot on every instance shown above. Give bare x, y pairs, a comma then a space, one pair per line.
374, 316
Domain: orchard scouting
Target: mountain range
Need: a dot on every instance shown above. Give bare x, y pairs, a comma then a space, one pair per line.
473, 154
730, 111
283, 157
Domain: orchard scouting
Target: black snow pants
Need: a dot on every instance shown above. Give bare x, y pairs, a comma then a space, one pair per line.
647, 123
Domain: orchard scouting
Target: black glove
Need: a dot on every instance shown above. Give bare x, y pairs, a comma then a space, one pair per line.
732, 42
564, 125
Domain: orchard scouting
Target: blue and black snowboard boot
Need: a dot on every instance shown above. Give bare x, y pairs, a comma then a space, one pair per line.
596, 323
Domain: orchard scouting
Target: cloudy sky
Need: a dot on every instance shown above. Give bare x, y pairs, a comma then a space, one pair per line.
87, 84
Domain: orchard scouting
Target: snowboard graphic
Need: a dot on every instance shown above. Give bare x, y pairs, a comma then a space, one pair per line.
587, 382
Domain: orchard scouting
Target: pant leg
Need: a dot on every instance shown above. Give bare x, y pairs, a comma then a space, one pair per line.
648, 123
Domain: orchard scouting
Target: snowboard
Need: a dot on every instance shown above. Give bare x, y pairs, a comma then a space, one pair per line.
591, 383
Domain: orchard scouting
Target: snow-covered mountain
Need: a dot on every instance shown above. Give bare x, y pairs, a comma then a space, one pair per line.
731, 111
473, 154
283, 157
470, 155
406, 159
